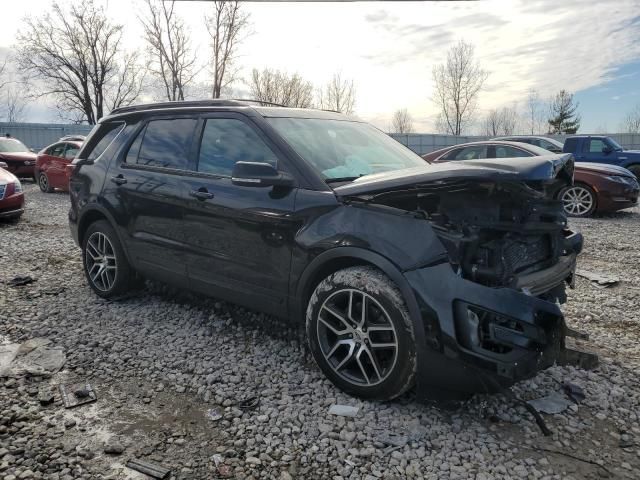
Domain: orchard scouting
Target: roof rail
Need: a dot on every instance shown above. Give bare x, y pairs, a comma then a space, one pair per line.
261, 102
177, 104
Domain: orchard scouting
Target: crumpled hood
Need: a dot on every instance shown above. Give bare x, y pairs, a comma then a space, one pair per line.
604, 168
522, 169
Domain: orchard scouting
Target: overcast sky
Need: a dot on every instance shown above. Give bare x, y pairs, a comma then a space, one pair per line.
389, 49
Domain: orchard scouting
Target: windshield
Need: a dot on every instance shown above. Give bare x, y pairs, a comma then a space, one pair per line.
613, 144
344, 150
12, 145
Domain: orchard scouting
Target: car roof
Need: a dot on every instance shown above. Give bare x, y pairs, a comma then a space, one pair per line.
523, 146
263, 109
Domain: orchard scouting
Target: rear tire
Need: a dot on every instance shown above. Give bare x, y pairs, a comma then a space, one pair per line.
578, 200
43, 183
105, 263
369, 353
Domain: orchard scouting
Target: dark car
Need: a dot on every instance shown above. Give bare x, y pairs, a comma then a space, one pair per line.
550, 144
19, 159
597, 187
602, 149
11, 196
53, 165
448, 276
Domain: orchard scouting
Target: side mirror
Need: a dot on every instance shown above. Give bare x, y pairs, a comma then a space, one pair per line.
607, 150
259, 174
3, 165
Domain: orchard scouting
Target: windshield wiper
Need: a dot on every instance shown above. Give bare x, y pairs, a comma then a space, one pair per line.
343, 179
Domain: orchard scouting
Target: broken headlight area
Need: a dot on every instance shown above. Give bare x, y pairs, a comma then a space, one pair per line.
498, 235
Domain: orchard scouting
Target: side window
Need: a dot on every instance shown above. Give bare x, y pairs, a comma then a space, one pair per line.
226, 141
505, 151
57, 150
134, 149
451, 154
471, 153
596, 145
101, 140
166, 143
71, 151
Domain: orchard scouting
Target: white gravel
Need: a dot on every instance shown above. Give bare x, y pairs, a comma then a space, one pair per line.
160, 359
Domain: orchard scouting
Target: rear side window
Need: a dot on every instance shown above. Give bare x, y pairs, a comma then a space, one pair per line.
504, 151
164, 143
595, 146
101, 140
71, 151
468, 153
226, 141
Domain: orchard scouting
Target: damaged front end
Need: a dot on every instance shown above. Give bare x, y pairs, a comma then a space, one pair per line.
490, 306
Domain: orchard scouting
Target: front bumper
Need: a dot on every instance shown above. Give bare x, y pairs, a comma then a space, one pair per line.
509, 336
617, 197
22, 170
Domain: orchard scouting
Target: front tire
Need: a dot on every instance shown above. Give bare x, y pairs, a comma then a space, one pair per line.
105, 263
43, 183
360, 334
578, 200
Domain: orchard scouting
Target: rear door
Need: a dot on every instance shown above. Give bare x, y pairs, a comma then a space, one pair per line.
239, 238
150, 191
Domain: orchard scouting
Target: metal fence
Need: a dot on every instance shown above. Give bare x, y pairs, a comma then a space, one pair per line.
422, 143
39, 135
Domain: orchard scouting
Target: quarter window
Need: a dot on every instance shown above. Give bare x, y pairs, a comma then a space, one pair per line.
226, 141
503, 151
102, 139
166, 143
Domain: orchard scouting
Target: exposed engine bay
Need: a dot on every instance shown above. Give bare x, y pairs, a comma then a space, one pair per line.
496, 234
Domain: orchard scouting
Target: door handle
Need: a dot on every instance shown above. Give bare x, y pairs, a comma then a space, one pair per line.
201, 194
119, 180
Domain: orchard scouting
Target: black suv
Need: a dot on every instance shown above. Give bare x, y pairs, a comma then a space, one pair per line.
446, 275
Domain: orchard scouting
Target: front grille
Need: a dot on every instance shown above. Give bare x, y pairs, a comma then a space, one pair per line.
520, 254
2, 190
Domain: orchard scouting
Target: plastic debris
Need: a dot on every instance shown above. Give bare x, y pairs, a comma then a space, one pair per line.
551, 404
20, 281
77, 394
573, 391
152, 469
33, 357
344, 410
214, 414
597, 279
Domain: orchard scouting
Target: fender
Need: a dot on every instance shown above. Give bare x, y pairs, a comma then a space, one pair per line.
96, 207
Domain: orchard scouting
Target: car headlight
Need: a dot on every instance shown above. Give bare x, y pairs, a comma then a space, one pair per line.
621, 179
18, 186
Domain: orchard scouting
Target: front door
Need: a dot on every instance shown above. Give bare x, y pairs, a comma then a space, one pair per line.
239, 238
592, 151
149, 184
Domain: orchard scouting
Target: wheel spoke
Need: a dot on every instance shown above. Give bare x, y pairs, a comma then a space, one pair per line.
337, 315
362, 369
331, 327
347, 357
374, 363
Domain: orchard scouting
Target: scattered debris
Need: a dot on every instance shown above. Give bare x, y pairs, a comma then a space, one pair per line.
214, 414
152, 469
344, 410
20, 281
53, 291
393, 439
70, 396
573, 391
551, 404
113, 446
249, 403
569, 455
597, 279
224, 471
33, 357
45, 395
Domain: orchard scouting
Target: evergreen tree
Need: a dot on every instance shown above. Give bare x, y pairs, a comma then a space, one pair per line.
564, 118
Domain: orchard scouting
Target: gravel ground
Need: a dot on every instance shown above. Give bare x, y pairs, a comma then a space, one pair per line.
160, 359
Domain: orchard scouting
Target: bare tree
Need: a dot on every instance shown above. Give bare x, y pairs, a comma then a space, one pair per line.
631, 122
225, 27
171, 60
274, 86
14, 105
74, 54
535, 116
457, 84
401, 122
338, 95
501, 121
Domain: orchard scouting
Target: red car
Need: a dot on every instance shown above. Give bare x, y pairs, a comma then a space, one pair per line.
19, 159
53, 165
11, 196
597, 187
